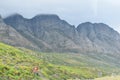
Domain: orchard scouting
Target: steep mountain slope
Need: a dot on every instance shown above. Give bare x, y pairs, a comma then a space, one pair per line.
10, 36
52, 34
48, 32
99, 37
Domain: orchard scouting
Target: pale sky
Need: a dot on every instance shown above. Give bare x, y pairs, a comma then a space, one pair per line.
73, 11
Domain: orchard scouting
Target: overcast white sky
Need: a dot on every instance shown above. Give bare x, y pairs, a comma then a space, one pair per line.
73, 11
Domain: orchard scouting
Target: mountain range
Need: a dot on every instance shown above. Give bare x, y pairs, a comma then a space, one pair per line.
49, 33
59, 49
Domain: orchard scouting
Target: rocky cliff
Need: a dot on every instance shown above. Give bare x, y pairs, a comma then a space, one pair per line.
50, 33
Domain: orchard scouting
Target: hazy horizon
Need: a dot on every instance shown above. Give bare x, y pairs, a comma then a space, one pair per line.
74, 12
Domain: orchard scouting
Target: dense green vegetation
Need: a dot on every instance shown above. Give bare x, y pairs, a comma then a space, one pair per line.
103, 63
17, 64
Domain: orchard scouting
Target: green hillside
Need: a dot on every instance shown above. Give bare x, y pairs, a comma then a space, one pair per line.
16, 64
101, 62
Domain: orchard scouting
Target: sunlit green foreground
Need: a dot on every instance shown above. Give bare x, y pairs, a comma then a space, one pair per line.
17, 64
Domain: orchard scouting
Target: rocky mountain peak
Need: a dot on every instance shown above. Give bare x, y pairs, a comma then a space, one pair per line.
15, 19
49, 33
46, 16
15, 16
96, 29
95, 26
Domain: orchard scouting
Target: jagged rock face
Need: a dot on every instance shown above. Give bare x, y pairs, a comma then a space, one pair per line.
50, 33
10, 36
100, 37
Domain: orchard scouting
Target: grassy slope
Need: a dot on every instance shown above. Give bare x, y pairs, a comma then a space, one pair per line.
16, 64
102, 62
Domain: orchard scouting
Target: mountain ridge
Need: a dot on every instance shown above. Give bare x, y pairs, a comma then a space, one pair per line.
50, 33
58, 48
10, 36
